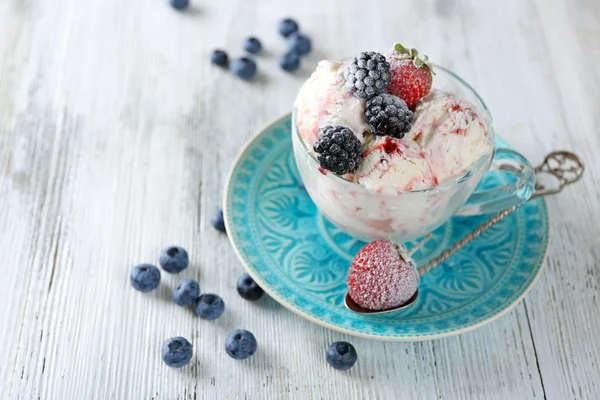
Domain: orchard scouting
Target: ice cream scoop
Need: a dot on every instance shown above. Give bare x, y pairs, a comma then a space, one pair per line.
451, 133
394, 166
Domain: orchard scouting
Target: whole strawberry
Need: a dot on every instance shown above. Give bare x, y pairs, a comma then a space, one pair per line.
382, 276
411, 75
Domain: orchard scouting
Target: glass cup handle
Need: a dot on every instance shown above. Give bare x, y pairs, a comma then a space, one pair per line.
517, 192
562, 166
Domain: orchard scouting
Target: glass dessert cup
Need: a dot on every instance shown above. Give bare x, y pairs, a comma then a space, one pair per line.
369, 215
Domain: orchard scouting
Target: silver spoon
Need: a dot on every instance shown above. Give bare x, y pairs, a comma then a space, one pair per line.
563, 165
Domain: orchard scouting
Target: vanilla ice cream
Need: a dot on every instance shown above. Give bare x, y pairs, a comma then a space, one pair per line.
393, 166
446, 139
451, 134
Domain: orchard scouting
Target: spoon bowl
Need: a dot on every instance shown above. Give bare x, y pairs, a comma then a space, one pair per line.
352, 306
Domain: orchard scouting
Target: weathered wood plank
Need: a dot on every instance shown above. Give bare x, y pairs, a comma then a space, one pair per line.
116, 135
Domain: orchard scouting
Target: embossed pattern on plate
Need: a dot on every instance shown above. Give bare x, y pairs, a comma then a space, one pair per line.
301, 259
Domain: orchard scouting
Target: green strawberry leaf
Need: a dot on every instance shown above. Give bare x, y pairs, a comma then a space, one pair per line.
401, 49
422, 61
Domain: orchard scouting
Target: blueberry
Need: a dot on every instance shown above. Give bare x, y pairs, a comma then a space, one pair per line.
289, 62
179, 4
217, 221
287, 27
176, 352
144, 277
252, 45
299, 44
209, 306
219, 57
341, 355
186, 292
244, 68
174, 259
240, 344
248, 289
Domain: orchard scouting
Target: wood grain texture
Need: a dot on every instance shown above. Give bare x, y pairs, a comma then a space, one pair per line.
116, 135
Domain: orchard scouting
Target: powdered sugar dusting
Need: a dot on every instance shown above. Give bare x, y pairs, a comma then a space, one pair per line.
382, 276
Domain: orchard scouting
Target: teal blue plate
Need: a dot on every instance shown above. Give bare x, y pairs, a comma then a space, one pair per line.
299, 258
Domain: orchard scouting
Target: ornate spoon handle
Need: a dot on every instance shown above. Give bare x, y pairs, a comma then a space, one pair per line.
563, 165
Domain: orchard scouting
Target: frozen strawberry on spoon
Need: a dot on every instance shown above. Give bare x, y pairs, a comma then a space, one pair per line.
382, 276
411, 74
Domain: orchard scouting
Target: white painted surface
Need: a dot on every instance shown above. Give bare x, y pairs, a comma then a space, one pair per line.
116, 135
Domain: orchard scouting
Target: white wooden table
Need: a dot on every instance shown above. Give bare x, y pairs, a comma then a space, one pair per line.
116, 135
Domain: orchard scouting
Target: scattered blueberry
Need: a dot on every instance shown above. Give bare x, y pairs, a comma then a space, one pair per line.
220, 58
341, 355
248, 289
177, 352
289, 61
287, 27
299, 44
240, 344
209, 306
174, 259
252, 45
179, 4
244, 68
217, 221
144, 277
186, 293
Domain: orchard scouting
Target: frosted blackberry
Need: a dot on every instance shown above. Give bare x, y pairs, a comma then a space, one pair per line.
339, 150
388, 115
368, 74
